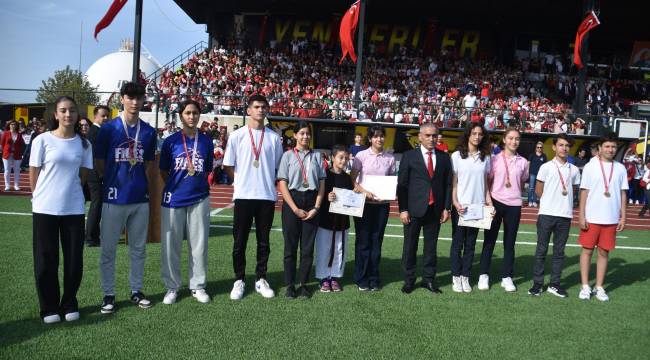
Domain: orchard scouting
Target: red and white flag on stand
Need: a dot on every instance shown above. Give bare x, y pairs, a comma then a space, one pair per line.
115, 8
346, 32
590, 22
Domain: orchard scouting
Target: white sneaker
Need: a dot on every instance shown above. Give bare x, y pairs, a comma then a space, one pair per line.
201, 296
51, 319
484, 282
601, 294
508, 285
170, 297
237, 291
464, 282
585, 293
263, 288
7, 188
456, 285
630, 201
635, 203
17, 188
73, 316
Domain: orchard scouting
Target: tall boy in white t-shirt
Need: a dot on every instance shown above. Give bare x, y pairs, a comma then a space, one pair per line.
555, 188
603, 195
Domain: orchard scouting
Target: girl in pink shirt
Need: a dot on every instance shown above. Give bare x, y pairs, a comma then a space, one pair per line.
508, 174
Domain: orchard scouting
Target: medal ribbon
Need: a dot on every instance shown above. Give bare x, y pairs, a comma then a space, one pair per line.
190, 163
602, 170
564, 187
256, 151
505, 162
302, 166
133, 146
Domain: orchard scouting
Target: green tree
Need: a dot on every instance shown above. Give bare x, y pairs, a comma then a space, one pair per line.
70, 83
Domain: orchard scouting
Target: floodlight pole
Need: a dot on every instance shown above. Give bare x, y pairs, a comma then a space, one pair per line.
136, 40
357, 78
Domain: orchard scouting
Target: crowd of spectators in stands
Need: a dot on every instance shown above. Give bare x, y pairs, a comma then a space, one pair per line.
404, 87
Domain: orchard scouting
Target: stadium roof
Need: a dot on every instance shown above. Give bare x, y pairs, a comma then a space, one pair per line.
624, 20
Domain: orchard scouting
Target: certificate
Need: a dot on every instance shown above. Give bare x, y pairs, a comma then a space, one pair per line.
483, 223
473, 212
348, 202
383, 187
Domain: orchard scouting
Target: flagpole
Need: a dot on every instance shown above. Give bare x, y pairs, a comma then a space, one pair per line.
357, 78
137, 40
579, 103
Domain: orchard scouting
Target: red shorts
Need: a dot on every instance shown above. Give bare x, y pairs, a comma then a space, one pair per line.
603, 236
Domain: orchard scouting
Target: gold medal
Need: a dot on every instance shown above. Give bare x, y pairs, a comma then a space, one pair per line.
256, 163
508, 185
607, 194
565, 193
191, 171
305, 185
132, 162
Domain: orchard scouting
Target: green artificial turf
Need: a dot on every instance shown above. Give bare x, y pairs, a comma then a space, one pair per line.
350, 324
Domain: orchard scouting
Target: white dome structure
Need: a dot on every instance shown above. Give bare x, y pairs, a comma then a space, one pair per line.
110, 71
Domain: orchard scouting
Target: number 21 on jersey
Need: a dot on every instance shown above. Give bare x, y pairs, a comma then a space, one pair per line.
112, 193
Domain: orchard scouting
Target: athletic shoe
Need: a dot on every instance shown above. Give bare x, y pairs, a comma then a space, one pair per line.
17, 188
375, 287
291, 292
456, 285
484, 282
601, 294
364, 288
508, 285
635, 203
336, 287
536, 290
170, 297
304, 292
585, 293
139, 299
108, 305
201, 296
464, 282
557, 290
7, 188
51, 319
237, 291
72, 316
263, 288
325, 286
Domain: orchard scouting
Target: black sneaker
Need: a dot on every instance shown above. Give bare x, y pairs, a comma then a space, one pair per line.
536, 290
291, 292
557, 290
304, 292
108, 305
375, 287
139, 299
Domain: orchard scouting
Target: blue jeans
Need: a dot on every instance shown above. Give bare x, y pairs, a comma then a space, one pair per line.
369, 231
532, 197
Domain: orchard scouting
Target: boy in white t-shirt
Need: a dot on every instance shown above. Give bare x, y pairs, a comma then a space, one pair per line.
554, 187
603, 195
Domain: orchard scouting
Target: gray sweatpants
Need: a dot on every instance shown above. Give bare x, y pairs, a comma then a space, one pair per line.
195, 219
135, 218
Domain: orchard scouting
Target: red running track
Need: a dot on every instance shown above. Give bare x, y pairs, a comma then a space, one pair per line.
221, 197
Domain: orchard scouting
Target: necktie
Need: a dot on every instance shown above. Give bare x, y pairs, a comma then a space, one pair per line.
430, 169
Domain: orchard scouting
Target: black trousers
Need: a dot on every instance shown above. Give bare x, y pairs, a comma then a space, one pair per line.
463, 243
299, 233
94, 212
245, 211
430, 222
47, 231
510, 215
559, 227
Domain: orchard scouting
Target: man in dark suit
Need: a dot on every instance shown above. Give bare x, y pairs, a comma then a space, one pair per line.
424, 196
100, 114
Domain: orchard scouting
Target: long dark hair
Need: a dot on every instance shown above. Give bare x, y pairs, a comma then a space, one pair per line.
53, 123
463, 142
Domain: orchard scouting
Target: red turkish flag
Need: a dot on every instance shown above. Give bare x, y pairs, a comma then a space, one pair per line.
347, 30
115, 8
590, 22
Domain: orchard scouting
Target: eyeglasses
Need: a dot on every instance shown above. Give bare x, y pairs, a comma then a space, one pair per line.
539, 147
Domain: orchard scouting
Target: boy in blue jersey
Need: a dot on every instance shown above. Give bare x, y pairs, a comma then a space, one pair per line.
124, 153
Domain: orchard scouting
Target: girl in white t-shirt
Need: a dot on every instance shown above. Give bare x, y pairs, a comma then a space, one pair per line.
58, 165
471, 163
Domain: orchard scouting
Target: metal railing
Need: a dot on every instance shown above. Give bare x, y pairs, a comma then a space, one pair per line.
180, 59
